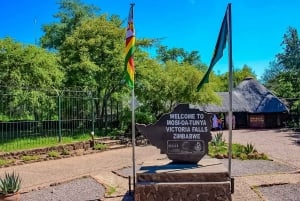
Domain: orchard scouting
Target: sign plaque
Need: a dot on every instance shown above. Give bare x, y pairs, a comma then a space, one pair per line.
182, 135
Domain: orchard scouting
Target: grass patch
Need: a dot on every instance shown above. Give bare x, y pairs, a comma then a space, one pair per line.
4, 162
53, 154
65, 152
30, 157
100, 146
111, 190
39, 142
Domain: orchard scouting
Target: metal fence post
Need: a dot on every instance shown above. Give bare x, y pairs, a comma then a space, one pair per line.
93, 113
59, 118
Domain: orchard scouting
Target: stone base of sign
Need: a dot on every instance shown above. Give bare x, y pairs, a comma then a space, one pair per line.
208, 180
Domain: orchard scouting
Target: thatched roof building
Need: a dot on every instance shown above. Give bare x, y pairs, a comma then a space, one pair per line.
253, 104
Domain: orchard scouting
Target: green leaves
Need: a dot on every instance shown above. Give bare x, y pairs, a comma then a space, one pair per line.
92, 54
161, 86
70, 15
218, 140
28, 66
238, 76
283, 74
11, 183
249, 148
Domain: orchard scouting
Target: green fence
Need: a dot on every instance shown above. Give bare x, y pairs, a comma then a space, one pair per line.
34, 118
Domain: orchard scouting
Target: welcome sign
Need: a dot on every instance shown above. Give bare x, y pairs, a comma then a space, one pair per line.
182, 134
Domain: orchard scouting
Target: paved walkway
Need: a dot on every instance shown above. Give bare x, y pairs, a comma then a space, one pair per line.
279, 145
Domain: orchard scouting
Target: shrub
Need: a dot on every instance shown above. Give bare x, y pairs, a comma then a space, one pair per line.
219, 149
218, 140
216, 150
30, 157
4, 162
11, 183
53, 153
264, 156
100, 146
237, 149
249, 149
243, 156
111, 190
65, 151
141, 116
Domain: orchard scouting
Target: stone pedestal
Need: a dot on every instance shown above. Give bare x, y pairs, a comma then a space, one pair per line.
206, 181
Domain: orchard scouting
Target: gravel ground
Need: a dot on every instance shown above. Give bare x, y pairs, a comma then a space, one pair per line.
257, 167
83, 189
87, 189
287, 192
240, 167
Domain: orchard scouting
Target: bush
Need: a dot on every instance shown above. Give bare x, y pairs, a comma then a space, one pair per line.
263, 156
237, 149
4, 162
249, 149
65, 151
243, 156
141, 116
100, 146
30, 157
218, 140
11, 183
53, 154
219, 149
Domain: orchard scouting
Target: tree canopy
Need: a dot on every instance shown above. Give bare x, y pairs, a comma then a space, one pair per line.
238, 76
86, 48
22, 70
70, 15
283, 74
28, 66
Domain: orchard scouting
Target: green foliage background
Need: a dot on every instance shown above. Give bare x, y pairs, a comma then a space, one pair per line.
85, 48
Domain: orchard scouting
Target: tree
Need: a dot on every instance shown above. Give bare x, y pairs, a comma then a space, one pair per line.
283, 74
30, 68
238, 76
160, 87
70, 15
182, 83
179, 55
92, 57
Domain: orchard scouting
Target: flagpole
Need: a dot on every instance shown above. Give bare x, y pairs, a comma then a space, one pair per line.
129, 76
133, 125
230, 83
133, 138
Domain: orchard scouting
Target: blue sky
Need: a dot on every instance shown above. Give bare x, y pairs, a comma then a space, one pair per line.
258, 26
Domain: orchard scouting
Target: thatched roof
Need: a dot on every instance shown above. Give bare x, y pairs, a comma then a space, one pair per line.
249, 96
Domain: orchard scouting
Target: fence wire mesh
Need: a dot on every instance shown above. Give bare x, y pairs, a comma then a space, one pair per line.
34, 118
